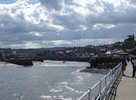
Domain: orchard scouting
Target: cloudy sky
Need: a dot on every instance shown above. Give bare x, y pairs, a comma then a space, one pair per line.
51, 23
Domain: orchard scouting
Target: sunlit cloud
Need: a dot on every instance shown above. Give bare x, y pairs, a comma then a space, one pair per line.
101, 26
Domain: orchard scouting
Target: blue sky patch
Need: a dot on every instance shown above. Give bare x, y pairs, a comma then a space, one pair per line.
7, 1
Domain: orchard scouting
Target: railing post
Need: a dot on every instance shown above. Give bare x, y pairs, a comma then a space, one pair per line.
105, 93
89, 94
112, 76
109, 79
100, 89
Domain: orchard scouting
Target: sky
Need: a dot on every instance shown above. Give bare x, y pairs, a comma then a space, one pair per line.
59, 23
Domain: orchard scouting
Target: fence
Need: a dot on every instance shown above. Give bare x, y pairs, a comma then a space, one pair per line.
102, 88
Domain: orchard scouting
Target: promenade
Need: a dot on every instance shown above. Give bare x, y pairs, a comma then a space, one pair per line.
127, 87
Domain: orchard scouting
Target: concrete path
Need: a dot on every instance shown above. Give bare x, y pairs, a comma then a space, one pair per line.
127, 87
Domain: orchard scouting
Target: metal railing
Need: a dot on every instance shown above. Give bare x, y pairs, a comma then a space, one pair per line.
103, 87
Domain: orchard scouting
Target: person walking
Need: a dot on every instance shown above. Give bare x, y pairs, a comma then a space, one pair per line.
133, 61
124, 64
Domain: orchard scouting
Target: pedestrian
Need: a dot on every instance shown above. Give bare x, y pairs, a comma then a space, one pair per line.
133, 61
124, 64
128, 58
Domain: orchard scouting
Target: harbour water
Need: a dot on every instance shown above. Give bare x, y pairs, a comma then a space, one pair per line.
49, 80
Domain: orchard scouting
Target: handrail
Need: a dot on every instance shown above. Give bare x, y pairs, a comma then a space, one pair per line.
104, 85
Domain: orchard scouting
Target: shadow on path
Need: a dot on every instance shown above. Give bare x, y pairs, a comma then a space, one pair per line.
127, 76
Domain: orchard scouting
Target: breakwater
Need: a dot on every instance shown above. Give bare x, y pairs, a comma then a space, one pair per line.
84, 59
24, 62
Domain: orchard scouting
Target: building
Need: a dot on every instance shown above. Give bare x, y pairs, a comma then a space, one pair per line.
129, 42
130, 38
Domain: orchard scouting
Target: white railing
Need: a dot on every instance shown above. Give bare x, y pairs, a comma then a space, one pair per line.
102, 88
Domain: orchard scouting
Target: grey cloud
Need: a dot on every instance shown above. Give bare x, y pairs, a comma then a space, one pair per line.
52, 4
132, 1
17, 30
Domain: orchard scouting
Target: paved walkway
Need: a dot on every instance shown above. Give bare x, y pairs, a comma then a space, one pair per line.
127, 87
